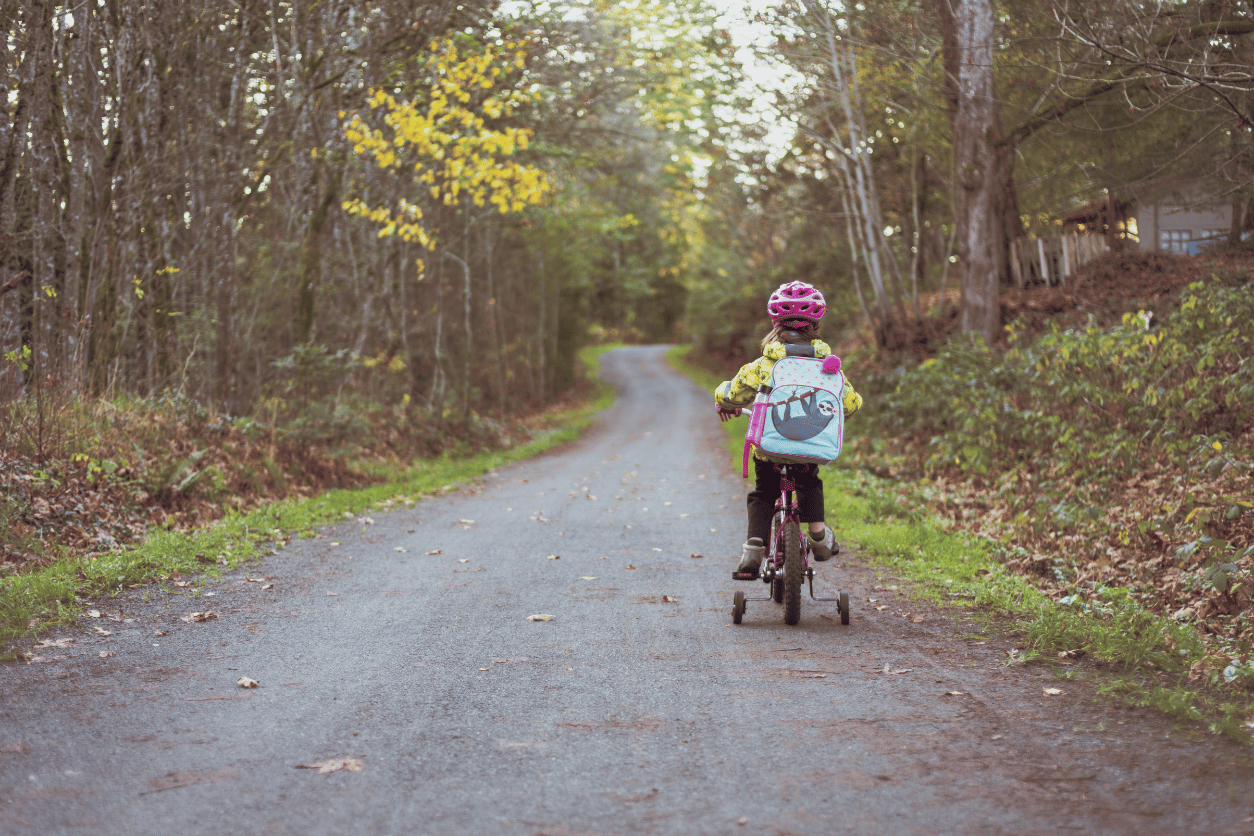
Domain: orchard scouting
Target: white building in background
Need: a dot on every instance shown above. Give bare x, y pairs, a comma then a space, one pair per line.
1163, 219
1173, 227
1168, 222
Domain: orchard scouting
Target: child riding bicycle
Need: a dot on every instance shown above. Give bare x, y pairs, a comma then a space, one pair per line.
795, 309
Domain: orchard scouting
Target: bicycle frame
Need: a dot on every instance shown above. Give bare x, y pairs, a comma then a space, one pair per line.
786, 510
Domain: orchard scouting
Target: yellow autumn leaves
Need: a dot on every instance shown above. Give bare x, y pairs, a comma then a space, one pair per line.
456, 155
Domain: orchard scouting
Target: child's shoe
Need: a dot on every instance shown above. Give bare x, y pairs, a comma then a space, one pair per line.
824, 548
750, 560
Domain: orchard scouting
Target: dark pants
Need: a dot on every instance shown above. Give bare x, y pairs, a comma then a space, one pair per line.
766, 489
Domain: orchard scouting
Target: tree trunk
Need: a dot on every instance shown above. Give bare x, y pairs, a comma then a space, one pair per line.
311, 258
969, 51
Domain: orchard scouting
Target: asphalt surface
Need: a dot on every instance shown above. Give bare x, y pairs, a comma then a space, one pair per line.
398, 647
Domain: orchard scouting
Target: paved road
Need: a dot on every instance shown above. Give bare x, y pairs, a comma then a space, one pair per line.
402, 646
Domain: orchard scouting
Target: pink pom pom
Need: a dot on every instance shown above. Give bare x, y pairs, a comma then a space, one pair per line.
831, 364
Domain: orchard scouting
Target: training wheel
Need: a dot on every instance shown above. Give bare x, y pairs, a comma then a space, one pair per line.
738, 607
843, 606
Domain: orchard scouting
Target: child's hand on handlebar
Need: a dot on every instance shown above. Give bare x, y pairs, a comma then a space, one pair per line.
726, 415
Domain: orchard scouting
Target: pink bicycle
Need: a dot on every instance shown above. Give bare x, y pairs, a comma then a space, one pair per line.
787, 564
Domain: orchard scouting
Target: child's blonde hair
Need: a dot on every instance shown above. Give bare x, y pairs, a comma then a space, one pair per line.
809, 332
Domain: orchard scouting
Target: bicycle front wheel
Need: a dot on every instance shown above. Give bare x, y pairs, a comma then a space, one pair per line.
794, 572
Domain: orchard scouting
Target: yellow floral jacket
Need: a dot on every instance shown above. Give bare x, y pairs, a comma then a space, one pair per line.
740, 391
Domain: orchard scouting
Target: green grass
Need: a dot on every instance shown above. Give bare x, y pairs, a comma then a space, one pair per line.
1137, 649
32, 602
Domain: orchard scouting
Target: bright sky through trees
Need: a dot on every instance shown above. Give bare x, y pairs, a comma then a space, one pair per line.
754, 43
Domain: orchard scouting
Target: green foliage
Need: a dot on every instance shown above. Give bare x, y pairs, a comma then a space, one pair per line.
1096, 400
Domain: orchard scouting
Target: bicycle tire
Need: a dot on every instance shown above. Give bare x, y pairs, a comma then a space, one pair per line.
844, 607
738, 607
777, 590
794, 572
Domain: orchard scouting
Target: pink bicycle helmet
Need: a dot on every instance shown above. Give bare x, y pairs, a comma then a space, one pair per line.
796, 300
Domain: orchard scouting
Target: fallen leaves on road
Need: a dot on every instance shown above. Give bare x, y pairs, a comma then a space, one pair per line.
245, 682
105, 654
668, 599
100, 631
365, 521
888, 670
254, 580
267, 586
554, 557
199, 616
334, 765
587, 577
881, 608
463, 560
1053, 692
540, 617
435, 551
954, 694
657, 550
55, 643
93, 613
629, 566
186, 779
400, 549
695, 555
332, 594
918, 619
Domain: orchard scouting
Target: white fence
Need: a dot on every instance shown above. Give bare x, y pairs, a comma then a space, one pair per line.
1053, 260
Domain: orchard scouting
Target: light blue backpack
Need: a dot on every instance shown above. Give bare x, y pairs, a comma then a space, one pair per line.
799, 415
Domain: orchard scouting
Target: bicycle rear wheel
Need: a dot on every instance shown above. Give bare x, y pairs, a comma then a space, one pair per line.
794, 572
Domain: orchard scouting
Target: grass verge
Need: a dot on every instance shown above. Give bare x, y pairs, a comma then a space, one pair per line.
1140, 657
35, 601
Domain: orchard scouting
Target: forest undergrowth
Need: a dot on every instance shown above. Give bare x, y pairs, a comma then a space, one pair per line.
1108, 459
88, 484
